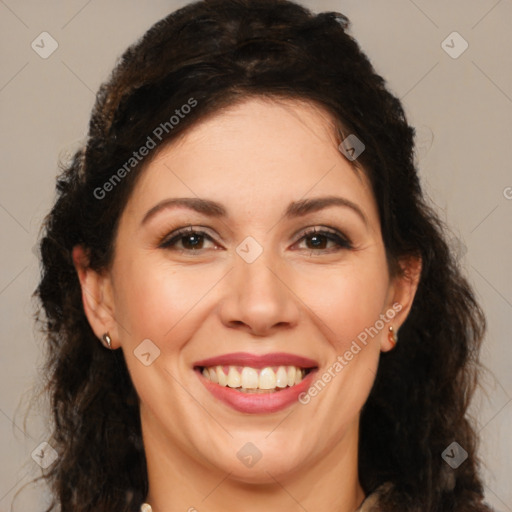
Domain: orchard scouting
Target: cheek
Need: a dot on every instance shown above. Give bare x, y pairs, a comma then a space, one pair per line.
153, 297
347, 300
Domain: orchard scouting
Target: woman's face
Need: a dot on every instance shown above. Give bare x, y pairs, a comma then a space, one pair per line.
252, 280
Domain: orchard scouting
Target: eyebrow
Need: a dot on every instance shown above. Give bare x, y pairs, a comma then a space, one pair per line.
211, 208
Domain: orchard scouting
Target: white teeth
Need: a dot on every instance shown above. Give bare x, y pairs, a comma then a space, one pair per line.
221, 377
267, 379
250, 379
213, 375
233, 378
247, 378
281, 377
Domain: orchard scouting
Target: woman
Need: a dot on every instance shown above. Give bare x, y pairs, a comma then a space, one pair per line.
246, 235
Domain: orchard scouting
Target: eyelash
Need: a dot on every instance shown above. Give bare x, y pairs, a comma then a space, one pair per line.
340, 240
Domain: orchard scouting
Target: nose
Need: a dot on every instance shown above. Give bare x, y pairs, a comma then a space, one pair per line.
258, 298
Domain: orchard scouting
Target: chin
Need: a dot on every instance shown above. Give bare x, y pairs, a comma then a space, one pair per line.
259, 462
266, 471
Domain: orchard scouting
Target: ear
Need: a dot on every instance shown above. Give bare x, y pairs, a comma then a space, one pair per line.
401, 295
97, 297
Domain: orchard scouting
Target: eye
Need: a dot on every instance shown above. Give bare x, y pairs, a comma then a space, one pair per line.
319, 238
191, 240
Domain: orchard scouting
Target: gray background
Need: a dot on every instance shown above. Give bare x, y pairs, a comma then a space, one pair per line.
462, 108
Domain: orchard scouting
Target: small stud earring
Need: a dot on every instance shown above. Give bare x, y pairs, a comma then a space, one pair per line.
392, 336
107, 340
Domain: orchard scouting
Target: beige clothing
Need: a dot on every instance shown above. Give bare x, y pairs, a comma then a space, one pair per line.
371, 503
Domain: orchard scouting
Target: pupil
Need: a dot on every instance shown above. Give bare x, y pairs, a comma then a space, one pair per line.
318, 239
189, 240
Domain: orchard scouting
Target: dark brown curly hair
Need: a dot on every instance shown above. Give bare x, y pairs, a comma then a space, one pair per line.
220, 52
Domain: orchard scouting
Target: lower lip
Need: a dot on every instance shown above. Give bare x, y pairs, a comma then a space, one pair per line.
255, 403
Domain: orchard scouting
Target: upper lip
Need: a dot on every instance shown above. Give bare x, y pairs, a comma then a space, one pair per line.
258, 361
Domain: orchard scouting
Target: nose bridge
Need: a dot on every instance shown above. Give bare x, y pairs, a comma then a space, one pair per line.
257, 295
254, 263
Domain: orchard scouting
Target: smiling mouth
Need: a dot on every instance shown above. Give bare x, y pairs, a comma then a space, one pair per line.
246, 379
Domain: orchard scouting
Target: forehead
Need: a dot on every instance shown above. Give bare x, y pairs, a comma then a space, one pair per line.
256, 152
251, 125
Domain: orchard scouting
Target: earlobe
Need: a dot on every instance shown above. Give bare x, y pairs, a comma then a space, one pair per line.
392, 336
97, 297
402, 293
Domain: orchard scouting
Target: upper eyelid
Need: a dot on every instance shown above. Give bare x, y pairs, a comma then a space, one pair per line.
298, 236
203, 230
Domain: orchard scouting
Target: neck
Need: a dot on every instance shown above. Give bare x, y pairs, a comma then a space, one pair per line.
178, 481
